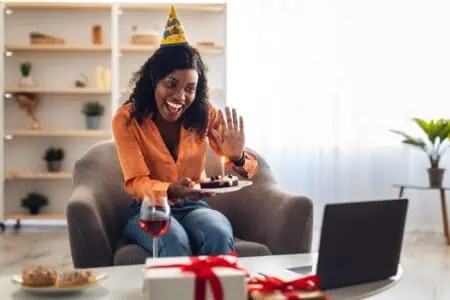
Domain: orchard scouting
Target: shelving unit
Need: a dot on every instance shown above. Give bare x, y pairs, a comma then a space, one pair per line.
55, 68
58, 48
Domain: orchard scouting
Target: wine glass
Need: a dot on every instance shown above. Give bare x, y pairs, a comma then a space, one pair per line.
155, 218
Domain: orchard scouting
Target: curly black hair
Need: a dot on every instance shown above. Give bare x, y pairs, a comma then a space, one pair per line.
164, 61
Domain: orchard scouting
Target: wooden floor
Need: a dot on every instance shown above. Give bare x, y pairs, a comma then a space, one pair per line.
425, 260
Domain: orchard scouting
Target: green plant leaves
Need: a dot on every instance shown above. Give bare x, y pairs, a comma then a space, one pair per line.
435, 129
93, 108
418, 142
437, 133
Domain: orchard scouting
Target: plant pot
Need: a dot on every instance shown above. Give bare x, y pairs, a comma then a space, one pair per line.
93, 122
34, 210
54, 165
26, 81
436, 176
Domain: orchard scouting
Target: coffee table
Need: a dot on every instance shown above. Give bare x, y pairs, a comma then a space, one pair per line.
125, 282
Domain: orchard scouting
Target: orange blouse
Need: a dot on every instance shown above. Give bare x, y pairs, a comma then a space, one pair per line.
147, 164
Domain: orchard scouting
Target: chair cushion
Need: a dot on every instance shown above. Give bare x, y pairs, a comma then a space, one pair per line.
130, 254
246, 248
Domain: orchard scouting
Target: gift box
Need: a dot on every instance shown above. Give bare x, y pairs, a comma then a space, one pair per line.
194, 278
273, 288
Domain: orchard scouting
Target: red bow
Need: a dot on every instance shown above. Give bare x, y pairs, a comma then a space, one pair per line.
202, 268
287, 288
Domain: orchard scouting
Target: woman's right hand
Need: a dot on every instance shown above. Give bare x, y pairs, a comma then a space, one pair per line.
185, 189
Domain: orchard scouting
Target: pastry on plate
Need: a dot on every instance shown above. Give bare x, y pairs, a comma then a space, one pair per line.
39, 276
219, 181
76, 278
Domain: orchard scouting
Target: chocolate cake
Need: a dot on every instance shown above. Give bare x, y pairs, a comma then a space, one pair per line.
220, 182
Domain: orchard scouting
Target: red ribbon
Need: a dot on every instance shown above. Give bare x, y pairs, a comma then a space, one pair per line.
203, 271
287, 288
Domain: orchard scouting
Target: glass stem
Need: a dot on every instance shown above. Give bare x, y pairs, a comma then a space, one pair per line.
155, 248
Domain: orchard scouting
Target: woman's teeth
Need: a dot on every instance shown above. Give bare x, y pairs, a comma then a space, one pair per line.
173, 107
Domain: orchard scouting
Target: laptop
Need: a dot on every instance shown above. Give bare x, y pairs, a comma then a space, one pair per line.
360, 242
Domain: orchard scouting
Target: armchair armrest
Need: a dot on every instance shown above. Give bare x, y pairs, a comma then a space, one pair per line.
289, 229
263, 213
88, 239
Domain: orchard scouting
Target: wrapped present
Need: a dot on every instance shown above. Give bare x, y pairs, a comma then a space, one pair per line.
273, 288
195, 278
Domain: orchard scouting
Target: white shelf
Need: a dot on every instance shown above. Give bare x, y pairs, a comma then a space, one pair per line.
57, 48
14, 175
62, 133
127, 7
14, 5
200, 8
41, 216
68, 91
151, 48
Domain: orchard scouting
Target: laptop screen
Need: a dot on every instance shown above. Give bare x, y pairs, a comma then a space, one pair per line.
360, 242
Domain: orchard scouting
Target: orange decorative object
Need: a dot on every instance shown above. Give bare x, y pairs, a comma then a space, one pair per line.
97, 36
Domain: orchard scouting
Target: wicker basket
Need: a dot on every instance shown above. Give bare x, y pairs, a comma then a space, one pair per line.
44, 39
145, 39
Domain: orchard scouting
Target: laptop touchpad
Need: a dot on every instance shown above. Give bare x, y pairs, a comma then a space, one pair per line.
305, 270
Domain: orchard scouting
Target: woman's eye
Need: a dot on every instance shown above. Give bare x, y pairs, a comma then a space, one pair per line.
190, 89
170, 85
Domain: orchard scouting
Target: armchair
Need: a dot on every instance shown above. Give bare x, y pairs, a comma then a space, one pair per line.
265, 219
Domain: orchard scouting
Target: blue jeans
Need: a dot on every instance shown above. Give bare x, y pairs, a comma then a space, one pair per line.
195, 229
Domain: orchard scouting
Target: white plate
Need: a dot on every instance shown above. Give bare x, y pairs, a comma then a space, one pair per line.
241, 184
17, 279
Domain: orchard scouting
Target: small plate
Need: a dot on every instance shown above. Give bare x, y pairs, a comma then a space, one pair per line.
17, 279
241, 184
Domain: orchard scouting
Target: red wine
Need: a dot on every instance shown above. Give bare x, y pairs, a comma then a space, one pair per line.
155, 227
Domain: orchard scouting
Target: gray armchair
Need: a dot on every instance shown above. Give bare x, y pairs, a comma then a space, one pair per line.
265, 220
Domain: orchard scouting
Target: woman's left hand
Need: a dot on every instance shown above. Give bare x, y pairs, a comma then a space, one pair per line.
230, 139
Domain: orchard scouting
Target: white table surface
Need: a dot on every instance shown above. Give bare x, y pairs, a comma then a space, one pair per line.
125, 282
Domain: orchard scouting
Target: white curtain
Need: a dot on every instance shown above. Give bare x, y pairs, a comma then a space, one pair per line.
321, 82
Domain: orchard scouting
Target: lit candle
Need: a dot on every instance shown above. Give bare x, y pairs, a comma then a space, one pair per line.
223, 166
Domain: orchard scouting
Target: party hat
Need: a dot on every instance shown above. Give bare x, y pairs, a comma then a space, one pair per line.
174, 33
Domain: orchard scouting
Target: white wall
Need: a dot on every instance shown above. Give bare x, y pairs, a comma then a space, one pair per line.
320, 83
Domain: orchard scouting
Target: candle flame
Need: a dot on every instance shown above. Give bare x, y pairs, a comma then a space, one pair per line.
223, 159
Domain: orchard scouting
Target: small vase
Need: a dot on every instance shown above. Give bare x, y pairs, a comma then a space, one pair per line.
93, 122
26, 81
34, 210
436, 176
54, 165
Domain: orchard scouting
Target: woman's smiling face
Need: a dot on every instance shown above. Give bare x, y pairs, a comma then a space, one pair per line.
175, 93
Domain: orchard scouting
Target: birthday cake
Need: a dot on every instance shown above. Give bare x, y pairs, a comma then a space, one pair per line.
219, 181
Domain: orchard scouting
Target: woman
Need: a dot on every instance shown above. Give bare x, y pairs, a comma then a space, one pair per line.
160, 135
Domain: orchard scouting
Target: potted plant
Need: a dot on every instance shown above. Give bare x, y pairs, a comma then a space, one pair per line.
34, 202
53, 157
25, 70
93, 111
435, 144
81, 81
